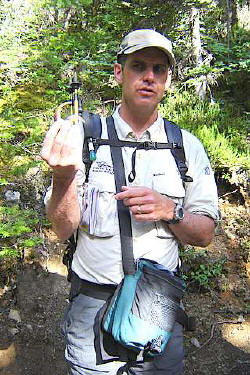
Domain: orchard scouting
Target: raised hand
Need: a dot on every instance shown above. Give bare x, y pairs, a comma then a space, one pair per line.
62, 148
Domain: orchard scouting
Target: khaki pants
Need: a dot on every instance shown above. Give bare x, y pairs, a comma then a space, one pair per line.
80, 353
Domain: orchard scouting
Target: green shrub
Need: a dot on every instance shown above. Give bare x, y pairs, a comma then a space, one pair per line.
199, 268
18, 229
221, 128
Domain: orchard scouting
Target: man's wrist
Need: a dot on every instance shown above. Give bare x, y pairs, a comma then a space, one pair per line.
63, 177
178, 214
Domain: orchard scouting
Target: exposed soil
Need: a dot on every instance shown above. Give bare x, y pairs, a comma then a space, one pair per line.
37, 291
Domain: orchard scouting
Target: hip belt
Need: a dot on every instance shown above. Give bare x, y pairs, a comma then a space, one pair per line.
90, 289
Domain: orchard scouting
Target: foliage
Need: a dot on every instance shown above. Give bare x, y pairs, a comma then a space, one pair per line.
17, 230
222, 128
200, 269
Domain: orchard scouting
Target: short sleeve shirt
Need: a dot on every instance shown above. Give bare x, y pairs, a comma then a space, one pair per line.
98, 256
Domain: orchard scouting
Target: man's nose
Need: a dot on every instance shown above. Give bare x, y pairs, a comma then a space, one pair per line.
149, 75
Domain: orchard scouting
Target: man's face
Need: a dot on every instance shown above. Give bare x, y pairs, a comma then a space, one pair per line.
143, 78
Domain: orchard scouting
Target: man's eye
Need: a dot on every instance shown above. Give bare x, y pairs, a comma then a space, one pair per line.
160, 69
138, 67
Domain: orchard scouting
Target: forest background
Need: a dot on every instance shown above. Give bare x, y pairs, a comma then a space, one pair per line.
42, 43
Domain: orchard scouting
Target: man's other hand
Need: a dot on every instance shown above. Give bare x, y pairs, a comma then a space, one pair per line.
146, 204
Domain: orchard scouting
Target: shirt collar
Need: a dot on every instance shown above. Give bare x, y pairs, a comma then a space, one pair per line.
125, 132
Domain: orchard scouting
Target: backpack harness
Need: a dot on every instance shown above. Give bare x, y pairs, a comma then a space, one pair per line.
92, 141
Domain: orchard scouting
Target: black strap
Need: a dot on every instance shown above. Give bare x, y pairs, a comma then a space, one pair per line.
188, 322
123, 211
98, 291
92, 130
147, 145
92, 125
69, 253
175, 137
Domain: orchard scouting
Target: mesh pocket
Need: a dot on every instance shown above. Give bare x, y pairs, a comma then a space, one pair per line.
163, 312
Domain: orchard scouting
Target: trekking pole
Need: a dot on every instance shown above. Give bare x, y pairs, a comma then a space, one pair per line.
75, 102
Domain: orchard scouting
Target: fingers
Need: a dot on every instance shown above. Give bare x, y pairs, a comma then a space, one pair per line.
131, 192
49, 140
143, 202
60, 143
141, 209
71, 148
146, 204
62, 146
144, 213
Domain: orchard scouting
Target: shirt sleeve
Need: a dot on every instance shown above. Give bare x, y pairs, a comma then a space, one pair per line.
201, 195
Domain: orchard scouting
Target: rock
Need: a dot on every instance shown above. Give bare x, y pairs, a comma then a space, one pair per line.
36, 179
29, 327
195, 342
12, 196
13, 331
240, 319
14, 315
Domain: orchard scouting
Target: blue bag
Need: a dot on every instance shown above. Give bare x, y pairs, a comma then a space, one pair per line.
144, 308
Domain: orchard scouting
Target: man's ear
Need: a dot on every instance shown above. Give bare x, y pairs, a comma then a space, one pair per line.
118, 73
169, 78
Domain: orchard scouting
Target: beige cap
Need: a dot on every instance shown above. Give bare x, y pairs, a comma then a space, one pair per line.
143, 38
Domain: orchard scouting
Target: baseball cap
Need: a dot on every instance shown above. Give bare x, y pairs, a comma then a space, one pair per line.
143, 38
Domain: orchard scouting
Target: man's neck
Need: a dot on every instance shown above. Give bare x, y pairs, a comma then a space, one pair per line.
139, 122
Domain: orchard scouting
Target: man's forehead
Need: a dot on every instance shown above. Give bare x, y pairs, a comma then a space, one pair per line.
149, 54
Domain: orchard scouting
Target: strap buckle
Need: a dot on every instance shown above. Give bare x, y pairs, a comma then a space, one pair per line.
176, 145
149, 145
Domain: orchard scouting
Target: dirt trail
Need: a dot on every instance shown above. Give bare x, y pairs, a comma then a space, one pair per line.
36, 348
31, 343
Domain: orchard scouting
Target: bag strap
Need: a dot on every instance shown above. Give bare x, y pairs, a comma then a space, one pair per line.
123, 211
174, 135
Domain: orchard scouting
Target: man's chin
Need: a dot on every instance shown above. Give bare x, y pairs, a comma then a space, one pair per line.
146, 103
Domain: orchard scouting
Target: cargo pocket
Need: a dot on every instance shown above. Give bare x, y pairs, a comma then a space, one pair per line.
171, 186
65, 321
100, 216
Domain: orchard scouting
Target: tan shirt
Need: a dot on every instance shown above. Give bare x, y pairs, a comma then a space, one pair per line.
98, 255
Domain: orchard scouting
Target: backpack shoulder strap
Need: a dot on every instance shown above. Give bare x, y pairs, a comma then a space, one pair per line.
92, 125
174, 135
92, 130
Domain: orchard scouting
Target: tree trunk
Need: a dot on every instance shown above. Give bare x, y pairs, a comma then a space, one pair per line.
195, 35
196, 50
229, 24
231, 20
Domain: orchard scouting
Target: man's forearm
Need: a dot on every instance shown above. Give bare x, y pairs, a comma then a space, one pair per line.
196, 230
63, 208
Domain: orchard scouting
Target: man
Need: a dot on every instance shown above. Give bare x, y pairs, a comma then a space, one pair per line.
155, 196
